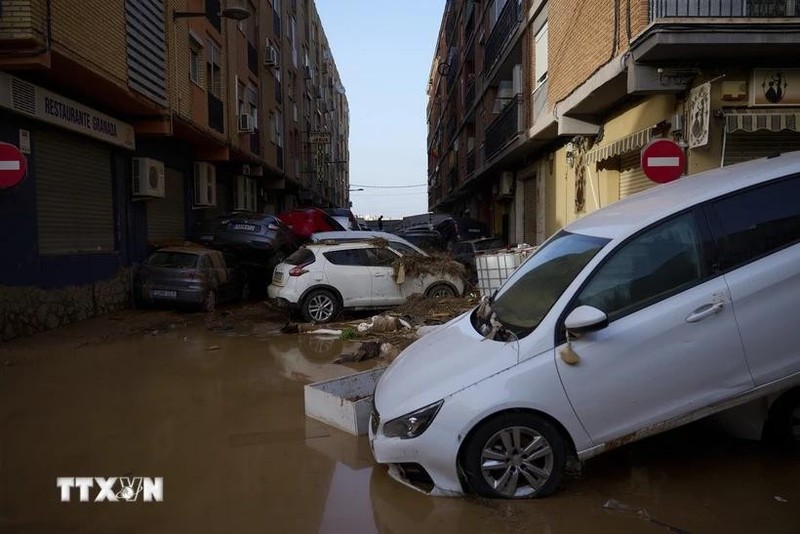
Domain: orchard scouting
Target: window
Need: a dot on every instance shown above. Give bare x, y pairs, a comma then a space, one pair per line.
195, 52
292, 40
213, 70
403, 248
652, 266
279, 129
252, 105
754, 223
353, 257
381, 257
240, 91
540, 58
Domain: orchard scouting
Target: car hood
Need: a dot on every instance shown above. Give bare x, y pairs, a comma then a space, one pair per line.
439, 364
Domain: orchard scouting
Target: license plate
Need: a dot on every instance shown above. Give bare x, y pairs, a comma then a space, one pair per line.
277, 277
164, 293
245, 227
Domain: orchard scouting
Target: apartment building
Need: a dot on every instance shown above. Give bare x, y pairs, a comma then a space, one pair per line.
538, 110
143, 120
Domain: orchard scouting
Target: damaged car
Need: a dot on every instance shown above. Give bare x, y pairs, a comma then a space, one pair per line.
669, 306
321, 280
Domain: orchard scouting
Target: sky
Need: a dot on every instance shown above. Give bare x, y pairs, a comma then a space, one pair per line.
383, 50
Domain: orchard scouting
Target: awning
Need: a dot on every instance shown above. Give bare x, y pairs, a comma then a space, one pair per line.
754, 120
621, 146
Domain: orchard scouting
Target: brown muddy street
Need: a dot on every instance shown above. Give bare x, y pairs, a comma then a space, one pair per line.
219, 415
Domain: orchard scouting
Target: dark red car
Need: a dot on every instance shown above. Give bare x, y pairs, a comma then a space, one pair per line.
306, 221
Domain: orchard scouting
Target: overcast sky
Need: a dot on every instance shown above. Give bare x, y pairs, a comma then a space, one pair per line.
383, 50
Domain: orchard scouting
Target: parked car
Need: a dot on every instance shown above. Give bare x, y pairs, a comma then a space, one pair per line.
455, 229
194, 276
663, 308
464, 252
306, 221
396, 242
344, 217
255, 237
428, 240
320, 280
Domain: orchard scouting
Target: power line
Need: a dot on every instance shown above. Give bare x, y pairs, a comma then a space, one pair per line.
389, 186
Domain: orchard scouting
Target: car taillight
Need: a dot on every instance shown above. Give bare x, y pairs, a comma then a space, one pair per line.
299, 270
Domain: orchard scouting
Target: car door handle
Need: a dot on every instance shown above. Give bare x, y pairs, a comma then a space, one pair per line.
380, 275
706, 310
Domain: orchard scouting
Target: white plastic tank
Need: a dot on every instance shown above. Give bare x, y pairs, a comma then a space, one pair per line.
493, 269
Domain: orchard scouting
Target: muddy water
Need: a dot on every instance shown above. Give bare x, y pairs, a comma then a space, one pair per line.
219, 415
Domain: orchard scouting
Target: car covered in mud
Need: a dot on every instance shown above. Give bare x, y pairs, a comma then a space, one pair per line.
320, 280
669, 306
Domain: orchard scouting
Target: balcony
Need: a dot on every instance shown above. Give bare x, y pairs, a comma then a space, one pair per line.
503, 129
212, 14
719, 31
504, 28
255, 142
216, 114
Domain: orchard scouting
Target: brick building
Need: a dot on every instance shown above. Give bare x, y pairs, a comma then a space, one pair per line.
141, 120
538, 109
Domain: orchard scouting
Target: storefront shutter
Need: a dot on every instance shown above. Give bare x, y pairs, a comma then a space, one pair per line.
166, 220
631, 177
74, 199
744, 146
529, 216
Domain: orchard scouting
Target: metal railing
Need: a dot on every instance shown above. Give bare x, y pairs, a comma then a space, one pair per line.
503, 128
505, 26
724, 8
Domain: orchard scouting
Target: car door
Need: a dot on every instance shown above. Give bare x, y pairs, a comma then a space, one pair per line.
671, 345
385, 290
758, 234
349, 271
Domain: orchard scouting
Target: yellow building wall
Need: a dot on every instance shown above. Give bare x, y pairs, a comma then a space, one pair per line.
23, 20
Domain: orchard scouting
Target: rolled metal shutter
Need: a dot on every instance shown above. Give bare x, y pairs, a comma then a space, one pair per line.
529, 215
744, 146
74, 199
632, 178
166, 219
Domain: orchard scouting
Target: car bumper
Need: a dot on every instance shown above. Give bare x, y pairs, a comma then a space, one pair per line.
428, 463
174, 295
286, 296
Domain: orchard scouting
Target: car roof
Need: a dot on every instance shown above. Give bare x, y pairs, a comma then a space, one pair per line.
624, 217
355, 235
339, 246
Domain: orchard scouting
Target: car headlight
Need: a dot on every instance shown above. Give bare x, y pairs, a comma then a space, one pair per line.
412, 424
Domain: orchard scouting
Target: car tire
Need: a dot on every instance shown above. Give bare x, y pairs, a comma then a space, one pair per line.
320, 306
440, 291
783, 423
515, 456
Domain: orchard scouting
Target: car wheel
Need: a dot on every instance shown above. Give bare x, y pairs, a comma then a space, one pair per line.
320, 306
515, 456
783, 423
440, 291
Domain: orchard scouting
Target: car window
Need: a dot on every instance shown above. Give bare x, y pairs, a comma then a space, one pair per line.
658, 263
300, 256
352, 257
205, 263
528, 294
402, 248
173, 260
381, 257
756, 222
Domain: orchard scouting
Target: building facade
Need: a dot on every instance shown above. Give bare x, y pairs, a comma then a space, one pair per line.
538, 109
141, 122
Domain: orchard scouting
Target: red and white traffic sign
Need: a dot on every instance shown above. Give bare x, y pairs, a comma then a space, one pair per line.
663, 160
13, 166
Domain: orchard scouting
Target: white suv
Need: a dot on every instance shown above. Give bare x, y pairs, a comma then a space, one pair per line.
671, 305
320, 280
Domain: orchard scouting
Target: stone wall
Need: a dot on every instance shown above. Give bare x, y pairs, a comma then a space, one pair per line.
27, 310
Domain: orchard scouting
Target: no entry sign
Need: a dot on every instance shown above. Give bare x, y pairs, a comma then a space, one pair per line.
663, 161
13, 166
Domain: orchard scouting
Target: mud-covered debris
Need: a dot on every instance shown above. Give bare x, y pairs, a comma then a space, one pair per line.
213, 347
434, 310
435, 264
378, 242
367, 351
781, 499
383, 323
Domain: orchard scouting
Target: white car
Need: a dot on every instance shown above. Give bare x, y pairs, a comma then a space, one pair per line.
399, 244
319, 280
666, 307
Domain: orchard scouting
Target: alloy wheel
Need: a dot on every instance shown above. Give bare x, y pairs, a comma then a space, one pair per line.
517, 461
321, 307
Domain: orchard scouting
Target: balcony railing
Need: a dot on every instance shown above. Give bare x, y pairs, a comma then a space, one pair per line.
505, 26
216, 113
503, 128
724, 8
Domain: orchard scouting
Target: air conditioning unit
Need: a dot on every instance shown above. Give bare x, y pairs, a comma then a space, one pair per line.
148, 178
270, 56
244, 194
205, 185
245, 123
505, 188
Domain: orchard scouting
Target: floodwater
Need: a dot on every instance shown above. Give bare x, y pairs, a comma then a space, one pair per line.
219, 414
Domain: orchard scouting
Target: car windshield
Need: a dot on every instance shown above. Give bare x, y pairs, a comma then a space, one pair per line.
526, 297
173, 260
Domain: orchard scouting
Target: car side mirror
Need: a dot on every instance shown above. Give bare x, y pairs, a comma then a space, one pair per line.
585, 319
